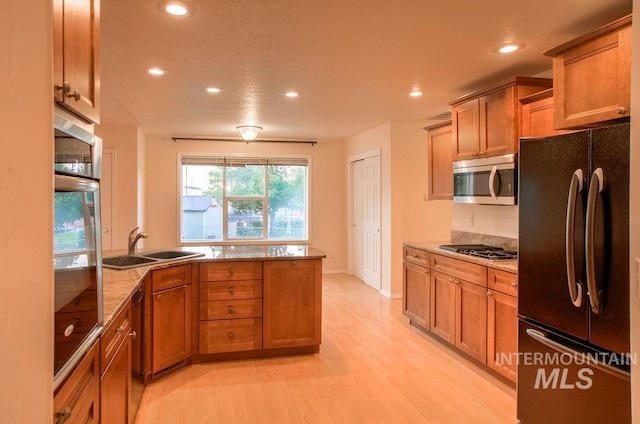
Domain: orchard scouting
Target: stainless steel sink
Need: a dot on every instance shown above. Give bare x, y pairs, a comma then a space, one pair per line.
126, 261
171, 254
142, 259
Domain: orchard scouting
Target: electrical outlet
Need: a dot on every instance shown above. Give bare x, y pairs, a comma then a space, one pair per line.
471, 220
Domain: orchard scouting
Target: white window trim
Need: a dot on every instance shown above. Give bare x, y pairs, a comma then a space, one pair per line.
235, 242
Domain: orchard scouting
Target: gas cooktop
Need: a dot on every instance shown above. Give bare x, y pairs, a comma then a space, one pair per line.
482, 251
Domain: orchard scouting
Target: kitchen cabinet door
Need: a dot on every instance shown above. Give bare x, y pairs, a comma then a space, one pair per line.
115, 387
171, 327
592, 77
502, 333
440, 161
76, 57
416, 294
466, 129
292, 303
471, 319
443, 307
498, 124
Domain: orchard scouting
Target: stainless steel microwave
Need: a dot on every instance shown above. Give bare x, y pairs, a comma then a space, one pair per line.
486, 181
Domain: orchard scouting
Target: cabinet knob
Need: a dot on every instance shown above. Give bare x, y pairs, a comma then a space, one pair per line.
230, 290
121, 328
293, 262
514, 285
231, 272
475, 154
133, 334
622, 110
64, 415
489, 293
230, 335
230, 309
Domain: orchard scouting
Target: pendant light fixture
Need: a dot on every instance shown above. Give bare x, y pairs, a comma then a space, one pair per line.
248, 132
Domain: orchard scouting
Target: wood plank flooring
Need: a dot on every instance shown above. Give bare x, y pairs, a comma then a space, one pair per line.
372, 368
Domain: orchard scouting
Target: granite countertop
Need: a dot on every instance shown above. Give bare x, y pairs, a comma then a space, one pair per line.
118, 286
433, 247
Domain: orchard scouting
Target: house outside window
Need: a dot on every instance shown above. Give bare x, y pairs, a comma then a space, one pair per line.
235, 199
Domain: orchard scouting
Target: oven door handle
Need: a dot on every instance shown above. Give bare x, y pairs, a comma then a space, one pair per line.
595, 187
492, 179
587, 359
575, 289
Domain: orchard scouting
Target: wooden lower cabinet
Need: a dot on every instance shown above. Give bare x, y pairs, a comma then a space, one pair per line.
471, 319
502, 334
443, 307
292, 303
416, 285
115, 387
77, 400
171, 327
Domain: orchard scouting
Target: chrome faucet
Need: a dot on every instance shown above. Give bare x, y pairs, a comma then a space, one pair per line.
133, 239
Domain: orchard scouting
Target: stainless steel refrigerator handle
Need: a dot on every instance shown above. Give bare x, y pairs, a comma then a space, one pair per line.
595, 187
575, 289
583, 358
492, 178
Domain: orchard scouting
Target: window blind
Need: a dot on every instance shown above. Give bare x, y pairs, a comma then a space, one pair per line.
242, 161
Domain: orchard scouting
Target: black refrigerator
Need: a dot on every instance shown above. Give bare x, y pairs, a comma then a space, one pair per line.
573, 271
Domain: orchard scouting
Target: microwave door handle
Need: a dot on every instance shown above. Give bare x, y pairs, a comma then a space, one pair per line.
595, 187
575, 289
492, 179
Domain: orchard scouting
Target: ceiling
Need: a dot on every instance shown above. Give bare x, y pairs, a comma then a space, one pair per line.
353, 62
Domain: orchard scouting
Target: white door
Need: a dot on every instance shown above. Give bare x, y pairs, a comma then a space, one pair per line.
107, 198
367, 220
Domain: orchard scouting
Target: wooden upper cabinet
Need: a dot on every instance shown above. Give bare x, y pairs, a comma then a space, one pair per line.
76, 57
440, 160
487, 122
537, 115
592, 77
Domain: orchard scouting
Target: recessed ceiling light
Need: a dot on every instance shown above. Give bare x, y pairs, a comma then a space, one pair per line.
213, 89
509, 48
176, 8
291, 94
415, 93
157, 71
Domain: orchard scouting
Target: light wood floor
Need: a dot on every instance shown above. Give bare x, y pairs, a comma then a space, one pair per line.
372, 368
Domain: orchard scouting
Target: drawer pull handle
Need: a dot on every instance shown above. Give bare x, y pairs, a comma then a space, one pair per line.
76, 301
230, 309
231, 272
293, 263
69, 330
64, 415
121, 328
230, 335
230, 290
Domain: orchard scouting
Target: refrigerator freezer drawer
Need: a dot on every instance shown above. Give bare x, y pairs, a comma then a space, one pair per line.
557, 387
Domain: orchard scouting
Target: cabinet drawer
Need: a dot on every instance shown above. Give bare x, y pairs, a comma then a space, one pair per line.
79, 395
502, 281
114, 335
82, 321
87, 300
416, 256
231, 271
229, 290
231, 309
230, 335
171, 277
473, 273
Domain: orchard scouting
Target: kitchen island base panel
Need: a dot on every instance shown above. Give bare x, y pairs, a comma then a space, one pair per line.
255, 354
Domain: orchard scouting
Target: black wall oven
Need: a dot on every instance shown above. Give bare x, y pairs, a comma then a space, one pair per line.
77, 260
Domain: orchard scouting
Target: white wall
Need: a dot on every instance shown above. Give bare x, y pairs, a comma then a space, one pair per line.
328, 216
486, 219
124, 139
634, 215
405, 215
26, 224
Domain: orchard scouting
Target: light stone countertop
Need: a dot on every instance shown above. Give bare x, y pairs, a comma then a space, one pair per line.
432, 247
118, 286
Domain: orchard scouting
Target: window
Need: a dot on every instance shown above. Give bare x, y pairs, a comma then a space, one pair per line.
238, 198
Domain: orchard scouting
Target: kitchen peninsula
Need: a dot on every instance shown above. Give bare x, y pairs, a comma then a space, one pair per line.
231, 302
